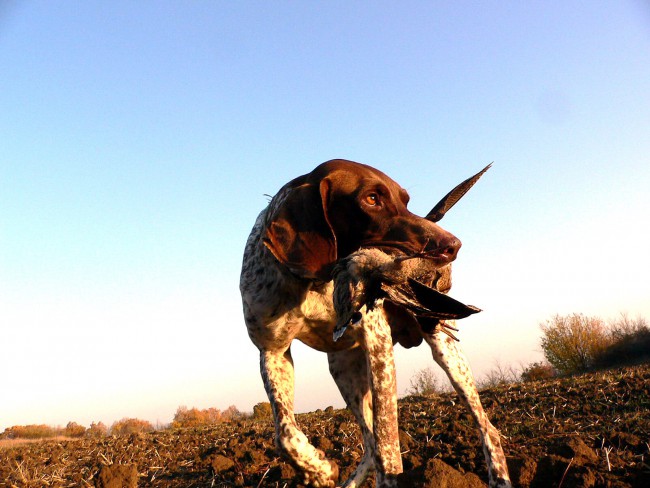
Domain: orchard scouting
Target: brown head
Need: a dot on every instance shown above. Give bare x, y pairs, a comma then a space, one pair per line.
341, 206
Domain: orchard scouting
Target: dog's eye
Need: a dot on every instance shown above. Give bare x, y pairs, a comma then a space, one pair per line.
372, 199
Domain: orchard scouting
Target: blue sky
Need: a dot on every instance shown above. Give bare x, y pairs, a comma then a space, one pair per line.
139, 139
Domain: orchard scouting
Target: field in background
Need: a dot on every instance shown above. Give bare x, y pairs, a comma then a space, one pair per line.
591, 430
6, 443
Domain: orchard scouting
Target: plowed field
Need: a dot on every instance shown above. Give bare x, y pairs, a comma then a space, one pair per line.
586, 431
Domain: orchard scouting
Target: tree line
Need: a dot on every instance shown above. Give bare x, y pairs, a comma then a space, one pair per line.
183, 418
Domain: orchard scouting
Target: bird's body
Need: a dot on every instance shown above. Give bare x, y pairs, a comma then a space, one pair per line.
413, 288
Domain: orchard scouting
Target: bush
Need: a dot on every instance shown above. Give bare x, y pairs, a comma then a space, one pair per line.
29, 432
571, 343
262, 411
73, 429
630, 344
231, 414
97, 430
194, 417
425, 382
624, 328
498, 375
538, 371
131, 426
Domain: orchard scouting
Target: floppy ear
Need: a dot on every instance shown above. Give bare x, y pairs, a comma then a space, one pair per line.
299, 234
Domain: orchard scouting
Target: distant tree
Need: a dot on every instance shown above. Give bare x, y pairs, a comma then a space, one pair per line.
31, 431
73, 429
572, 342
425, 382
538, 371
194, 417
97, 430
181, 417
231, 414
131, 426
262, 411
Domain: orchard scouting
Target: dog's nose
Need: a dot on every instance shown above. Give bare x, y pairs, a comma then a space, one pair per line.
448, 248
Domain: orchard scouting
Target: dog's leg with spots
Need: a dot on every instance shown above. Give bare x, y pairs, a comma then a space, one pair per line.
451, 359
366, 378
378, 344
350, 372
278, 377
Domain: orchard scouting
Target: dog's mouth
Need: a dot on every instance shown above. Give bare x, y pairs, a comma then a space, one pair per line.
406, 250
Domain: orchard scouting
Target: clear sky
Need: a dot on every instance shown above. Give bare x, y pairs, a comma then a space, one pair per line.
138, 139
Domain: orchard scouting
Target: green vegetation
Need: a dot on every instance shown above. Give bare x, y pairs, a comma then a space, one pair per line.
262, 411
572, 344
576, 343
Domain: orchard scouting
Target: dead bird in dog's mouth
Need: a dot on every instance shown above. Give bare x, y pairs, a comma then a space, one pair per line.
413, 287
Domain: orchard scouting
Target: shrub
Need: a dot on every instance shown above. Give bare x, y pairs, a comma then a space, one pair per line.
630, 343
425, 382
97, 430
575, 343
538, 371
571, 343
29, 432
73, 429
231, 414
262, 411
498, 375
131, 426
624, 328
194, 417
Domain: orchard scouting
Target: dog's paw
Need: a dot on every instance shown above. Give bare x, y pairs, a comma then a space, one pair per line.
325, 478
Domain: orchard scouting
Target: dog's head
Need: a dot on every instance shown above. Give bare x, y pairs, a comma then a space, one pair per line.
341, 206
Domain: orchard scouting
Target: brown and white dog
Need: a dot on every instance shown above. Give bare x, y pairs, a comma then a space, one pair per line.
311, 224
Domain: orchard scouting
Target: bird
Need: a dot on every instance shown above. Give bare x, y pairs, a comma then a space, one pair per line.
413, 288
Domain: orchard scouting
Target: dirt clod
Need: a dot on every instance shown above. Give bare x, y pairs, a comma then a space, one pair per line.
118, 476
575, 448
439, 474
220, 463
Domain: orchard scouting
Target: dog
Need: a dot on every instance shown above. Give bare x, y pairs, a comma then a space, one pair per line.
312, 224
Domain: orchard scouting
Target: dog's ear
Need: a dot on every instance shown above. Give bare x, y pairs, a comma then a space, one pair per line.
404, 326
298, 232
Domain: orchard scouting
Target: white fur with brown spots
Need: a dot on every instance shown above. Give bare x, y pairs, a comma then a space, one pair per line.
287, 292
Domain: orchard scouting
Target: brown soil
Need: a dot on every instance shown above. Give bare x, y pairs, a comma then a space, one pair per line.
587, 431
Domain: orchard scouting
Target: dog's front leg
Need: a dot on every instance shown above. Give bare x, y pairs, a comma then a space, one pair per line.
277, 373
452, 360
378, 343
349, 369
